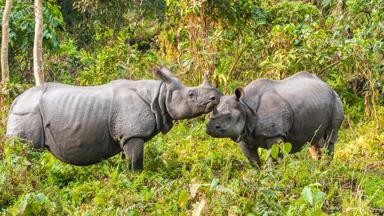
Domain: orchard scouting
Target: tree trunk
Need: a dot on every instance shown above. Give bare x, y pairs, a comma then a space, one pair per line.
38, 44
5, 42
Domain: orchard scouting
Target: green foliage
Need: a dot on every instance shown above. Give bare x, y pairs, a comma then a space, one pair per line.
34, 204
279, 149
21, 34
185, 168
275, 151
119, 59
310, 203
22, 25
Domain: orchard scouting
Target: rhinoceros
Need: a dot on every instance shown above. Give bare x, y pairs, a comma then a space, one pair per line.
298, 109
84, 125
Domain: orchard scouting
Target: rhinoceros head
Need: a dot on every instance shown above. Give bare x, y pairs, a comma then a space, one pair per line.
228, 118
187, 102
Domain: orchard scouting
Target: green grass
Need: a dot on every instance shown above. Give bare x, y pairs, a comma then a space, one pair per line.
186, 168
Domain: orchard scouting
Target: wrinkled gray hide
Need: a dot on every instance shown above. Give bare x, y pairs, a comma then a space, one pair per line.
299, 109
84, 125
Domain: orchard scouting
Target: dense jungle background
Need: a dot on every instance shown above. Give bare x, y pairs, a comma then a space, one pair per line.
91, 42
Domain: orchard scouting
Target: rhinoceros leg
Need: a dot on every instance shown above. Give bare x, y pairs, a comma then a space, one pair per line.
251, 153
134, 153
328, 141
332, 133
331, 137
315, 153
317, 143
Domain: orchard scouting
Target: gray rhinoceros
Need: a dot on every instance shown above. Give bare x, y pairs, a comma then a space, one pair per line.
298, 109
84, 125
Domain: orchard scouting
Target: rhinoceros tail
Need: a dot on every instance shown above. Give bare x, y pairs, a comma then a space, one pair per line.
331, 134
338, 112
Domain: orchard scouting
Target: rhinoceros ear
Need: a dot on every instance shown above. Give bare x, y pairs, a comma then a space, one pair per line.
239, 92
163, 74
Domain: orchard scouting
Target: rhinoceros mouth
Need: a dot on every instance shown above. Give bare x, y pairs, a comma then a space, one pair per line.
210, 132
215, 132
209, 107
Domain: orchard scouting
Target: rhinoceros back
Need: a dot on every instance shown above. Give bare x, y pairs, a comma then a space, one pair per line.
76, 123
24, 120
312, 101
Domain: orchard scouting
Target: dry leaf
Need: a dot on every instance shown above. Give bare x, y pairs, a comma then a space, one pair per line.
199, 208
193, 189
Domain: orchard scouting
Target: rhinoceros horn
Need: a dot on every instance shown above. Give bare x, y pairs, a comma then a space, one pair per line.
206, 81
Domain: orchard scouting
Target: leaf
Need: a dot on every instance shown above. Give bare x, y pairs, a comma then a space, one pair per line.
221, 188
193, 189
317, 184
317, 212
214, 183
223, 78
40, 198
216, 187
318, 198
325, 3
183, 199
24, 204
286, 147
199, 208
307, 195
274, 151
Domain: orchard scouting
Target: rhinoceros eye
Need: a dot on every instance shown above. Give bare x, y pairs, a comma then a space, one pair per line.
191, 94
229, 117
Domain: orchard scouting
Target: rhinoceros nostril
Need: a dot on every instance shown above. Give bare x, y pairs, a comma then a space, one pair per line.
212, 98
218, 127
